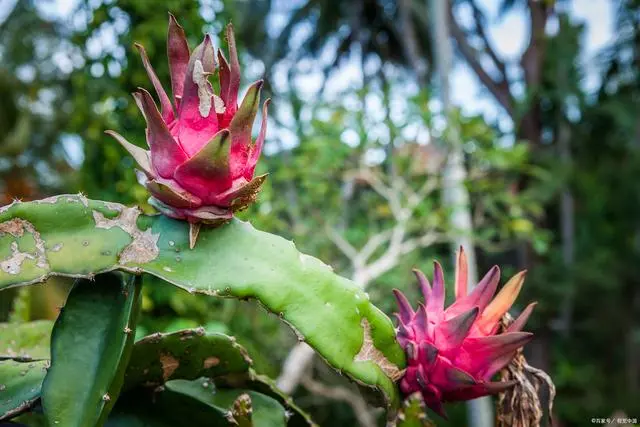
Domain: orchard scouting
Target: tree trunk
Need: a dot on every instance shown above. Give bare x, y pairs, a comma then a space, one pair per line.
455, 194
567, 229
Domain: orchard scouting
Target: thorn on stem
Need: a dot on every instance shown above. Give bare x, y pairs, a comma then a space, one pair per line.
194, 230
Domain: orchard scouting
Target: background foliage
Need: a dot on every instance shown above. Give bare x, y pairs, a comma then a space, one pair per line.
65, 79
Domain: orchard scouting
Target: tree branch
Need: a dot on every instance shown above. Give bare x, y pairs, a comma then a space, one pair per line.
373, 244
532, 57
388, 193
359, 405
478, 18
419, 242
500, 90
410, 45
341, 243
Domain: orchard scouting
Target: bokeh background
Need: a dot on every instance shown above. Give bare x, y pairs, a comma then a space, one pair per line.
399, 129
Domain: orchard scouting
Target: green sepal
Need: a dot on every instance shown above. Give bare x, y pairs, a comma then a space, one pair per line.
242, 122
208, 165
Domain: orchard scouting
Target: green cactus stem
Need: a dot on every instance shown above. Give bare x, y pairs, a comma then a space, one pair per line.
70, 235
20, 383
90, 347
191, 354
25, 340
199, 403
187, 354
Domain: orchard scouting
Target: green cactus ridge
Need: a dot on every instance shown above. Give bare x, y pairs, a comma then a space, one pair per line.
206, 369
70, 235
90, 347
20, 384
186, 354
213, 358
27, 341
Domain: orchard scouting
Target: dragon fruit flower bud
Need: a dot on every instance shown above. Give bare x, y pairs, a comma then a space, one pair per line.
453, 353
201, 162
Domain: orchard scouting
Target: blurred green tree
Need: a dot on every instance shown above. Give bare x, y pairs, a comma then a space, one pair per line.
343, 166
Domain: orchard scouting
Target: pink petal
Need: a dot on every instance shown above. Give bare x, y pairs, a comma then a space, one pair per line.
240, 128
479, 390
405, 310
433, 399
435, 303
423, 282
241, 193
140, 155
198, 121
519, 323
178, 53
256, 150
409, 383
171, 194
207, 172
486, 349
445, 376
451, 333
496, 365
230, 95
462, 274
231, 106
165, 104
501, 303
421, 323
480, 296
427, 354
166, 154
404, 334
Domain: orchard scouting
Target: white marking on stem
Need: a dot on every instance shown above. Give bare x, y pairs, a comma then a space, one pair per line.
13, 263
143, 248
17, 227
204, 89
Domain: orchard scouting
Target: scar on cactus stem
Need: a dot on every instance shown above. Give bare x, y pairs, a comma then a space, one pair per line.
202, 159
453, 353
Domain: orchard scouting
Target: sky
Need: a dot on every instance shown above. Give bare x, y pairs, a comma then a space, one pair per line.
508, 33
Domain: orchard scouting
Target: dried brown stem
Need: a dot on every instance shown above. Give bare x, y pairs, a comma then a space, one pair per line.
521, 406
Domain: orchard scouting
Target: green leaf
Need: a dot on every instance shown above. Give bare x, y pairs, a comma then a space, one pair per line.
20, 384
90, 347
70, 235
25, 340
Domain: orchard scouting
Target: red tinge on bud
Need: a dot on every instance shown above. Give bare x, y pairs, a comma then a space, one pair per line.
453, 353
202, 158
